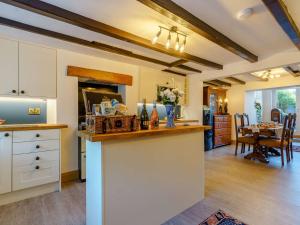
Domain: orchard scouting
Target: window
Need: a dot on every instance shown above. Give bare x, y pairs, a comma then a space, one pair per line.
286, 100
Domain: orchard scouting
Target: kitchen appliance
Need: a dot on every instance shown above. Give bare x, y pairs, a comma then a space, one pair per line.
208, 134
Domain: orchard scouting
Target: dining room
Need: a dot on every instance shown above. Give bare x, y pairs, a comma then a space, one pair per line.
264, 116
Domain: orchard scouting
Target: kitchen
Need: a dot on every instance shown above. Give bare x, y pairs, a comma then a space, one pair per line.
38, 110
124, 112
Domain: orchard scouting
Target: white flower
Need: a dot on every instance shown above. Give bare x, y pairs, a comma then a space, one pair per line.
181, 93
161, 94
167, 92
175, 91
172, 97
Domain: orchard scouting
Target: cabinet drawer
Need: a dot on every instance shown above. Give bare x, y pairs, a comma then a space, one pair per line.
35, 135
29, 172
35, 146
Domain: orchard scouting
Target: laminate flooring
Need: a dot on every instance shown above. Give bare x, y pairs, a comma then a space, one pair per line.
256, 193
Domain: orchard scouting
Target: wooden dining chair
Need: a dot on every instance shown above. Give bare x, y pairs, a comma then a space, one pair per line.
240, 136
293, 127
284, 142
246, 123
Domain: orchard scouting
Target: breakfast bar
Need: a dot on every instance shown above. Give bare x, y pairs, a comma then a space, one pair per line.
143, 177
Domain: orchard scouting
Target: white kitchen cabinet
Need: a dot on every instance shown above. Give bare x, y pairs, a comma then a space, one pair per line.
30, 170
5, 161
37, 71
8, 67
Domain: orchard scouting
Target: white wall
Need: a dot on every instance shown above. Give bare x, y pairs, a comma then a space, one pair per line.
150, 78
67, 97
236, 94
193, 110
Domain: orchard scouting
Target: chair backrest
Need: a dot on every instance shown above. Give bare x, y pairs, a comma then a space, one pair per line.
294, 118
286, 132
239, 124
246, 119
276, 115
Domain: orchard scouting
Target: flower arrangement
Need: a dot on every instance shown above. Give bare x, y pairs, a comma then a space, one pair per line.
171, 96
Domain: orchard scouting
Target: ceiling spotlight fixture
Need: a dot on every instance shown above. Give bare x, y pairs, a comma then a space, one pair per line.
245, 13
168, 43
177, 43
154, 40
172, 31
183, 45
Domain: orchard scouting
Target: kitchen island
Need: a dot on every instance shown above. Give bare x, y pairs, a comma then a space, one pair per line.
143, 177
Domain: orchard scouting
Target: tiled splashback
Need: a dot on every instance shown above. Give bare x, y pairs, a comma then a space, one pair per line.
15, 111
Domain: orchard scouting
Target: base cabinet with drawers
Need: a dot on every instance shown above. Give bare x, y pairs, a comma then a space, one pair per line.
222, 130
29, 159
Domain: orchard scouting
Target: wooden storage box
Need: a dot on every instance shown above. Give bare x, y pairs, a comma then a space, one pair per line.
111, 124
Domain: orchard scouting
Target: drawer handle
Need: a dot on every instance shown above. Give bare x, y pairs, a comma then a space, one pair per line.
37, 135
14, 91
22, 92
6, 134
37, 167
37, 146
37, 158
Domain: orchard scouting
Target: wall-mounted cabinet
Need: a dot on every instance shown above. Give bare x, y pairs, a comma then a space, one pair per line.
37, 71
27, 70
9, 67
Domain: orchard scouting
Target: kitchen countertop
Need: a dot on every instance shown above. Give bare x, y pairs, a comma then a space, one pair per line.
180, 121
143, 133
21, 127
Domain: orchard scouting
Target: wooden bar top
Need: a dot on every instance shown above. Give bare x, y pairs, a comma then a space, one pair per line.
180, 121
23, 127
143, 133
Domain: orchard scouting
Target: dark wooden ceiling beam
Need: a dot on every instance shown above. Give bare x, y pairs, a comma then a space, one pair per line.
91, 44
220, 82
178, 14
236, 80
184, 67
66, 16
284, 19
178, 62
290, 70
174, 72
210, 84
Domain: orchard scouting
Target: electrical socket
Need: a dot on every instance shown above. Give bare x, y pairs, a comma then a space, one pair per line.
34, 111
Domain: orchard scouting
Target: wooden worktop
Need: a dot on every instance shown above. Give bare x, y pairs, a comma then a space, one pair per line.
21, 127
184, 121
143, 133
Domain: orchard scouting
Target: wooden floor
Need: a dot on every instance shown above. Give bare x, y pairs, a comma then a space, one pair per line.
256, 193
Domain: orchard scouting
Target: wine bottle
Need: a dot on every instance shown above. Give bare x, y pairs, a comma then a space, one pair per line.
154, 119
144, 117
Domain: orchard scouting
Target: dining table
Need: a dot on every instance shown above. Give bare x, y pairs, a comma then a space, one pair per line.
260, 131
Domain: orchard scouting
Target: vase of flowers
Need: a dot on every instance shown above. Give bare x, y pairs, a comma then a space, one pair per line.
170, 98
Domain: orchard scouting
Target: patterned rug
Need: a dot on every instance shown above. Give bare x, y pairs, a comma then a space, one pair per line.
296, 148
221, 218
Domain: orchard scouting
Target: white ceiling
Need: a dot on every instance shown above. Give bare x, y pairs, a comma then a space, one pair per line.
260, 33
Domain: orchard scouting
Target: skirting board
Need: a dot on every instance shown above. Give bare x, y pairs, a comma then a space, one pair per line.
70, 176
28, 193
